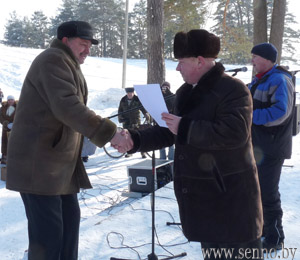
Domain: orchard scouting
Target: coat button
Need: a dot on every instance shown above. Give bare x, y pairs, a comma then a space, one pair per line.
180, 157
184, 190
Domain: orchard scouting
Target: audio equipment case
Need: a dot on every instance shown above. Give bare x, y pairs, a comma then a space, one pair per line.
140, 175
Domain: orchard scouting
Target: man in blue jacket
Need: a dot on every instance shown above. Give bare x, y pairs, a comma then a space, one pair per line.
273, 97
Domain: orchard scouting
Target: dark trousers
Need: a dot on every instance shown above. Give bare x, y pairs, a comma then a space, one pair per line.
227, 251
53, 226
269, 171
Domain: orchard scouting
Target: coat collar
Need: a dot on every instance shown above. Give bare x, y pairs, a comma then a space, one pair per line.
60, 45
188, 96
211, 77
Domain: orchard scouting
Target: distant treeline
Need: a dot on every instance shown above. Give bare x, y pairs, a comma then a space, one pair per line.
108, 19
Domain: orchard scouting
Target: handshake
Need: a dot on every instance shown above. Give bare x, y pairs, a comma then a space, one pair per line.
122, 141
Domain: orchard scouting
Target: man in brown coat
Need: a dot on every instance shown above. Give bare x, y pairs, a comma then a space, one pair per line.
7, 114
215, 176
44, 153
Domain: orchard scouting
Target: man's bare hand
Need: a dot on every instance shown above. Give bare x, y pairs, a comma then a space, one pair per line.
122, 141
172, 122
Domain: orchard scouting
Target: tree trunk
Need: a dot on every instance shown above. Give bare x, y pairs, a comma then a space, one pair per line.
277, 25
260, 33
155, 59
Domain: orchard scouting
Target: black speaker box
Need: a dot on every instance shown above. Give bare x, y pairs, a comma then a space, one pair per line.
140, 175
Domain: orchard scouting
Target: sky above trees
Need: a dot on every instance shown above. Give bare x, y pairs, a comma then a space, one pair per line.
26, 8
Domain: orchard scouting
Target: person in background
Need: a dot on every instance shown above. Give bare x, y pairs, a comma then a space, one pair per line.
7, 114
44, 151
132, 118
169, 99
1, 95
88, 148
273, 101
215, 176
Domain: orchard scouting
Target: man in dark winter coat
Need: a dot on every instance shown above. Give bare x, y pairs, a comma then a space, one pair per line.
273, 101
131, 119
44, 151
215, 176
7, 115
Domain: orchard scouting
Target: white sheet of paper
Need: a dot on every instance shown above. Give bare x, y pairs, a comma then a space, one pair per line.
153, 101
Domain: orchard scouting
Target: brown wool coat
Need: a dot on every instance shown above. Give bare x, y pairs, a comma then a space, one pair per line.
51, 117
215, 176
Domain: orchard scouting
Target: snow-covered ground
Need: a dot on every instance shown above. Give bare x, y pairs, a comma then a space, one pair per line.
113, 225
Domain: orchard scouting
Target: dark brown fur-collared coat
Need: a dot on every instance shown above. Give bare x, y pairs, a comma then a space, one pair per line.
51, 117
215, 177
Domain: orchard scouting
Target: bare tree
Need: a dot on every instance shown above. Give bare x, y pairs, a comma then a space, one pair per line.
260, 21
277, 25
155, 59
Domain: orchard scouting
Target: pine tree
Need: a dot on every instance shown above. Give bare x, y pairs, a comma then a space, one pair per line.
28, 30
39, 31
182, 15
137, 31
13, 35
107, 17
291, 37
233, 25
67, 12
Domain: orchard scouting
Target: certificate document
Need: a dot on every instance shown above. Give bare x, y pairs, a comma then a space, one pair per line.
153, 101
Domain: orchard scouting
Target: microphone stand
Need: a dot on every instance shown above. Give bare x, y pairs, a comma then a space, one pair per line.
152, 255
234, 74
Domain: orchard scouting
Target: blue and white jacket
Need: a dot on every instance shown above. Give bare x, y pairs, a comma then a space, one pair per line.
273, 103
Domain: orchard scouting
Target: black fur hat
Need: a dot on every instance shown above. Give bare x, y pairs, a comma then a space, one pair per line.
196, 43
129, 90
79, 29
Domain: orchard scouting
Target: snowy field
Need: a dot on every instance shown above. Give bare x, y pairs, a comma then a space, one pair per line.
113, 225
